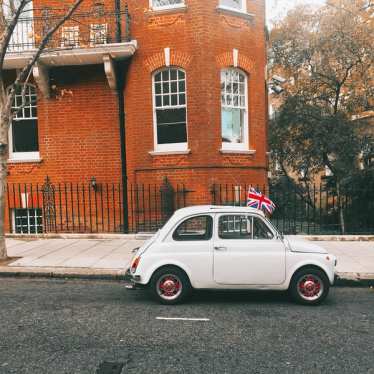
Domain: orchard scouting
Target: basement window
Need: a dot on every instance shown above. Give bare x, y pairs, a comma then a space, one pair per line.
27, 221
170, 110
23, 132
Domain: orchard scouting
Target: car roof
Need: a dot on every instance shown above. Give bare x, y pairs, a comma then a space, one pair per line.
198, 209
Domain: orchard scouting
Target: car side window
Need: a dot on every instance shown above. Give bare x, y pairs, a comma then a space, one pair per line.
261, 230
194, 228
234, 227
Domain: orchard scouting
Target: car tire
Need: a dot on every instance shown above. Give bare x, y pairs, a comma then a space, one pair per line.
309, 286
170, 285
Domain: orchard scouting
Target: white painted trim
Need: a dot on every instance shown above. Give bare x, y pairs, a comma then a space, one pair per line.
110, 71
167, 56
235, 56
238, 151
24, 160
166, 153
165, 7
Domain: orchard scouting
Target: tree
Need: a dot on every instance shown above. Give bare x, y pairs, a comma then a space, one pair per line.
11, 12
326, 58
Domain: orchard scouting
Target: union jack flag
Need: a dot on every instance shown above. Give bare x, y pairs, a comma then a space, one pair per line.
257, 200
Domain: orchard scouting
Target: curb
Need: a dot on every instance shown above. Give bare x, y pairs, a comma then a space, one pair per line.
354, 280
62, 273
338, 238
30, 237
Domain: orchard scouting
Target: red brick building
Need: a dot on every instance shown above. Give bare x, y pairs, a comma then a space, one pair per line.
176, 91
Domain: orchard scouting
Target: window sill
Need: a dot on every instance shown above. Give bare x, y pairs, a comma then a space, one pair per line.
168, 10
167, 153
238, 151
235, 12
24, 161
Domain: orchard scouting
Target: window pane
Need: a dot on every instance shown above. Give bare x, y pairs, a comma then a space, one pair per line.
232, 124
158, 77
166, 100
165, 87
182, 86
260, 230
174, 100
171, 126
181, 74
25, 136
234, 227
174, 87
237, 4
158, 101
173, 75
158, 88
195, 228
182, 99
165, 75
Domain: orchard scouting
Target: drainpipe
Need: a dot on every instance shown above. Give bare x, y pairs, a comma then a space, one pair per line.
122, 68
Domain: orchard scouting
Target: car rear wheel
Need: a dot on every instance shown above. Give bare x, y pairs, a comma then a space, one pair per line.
170, 285
309, 286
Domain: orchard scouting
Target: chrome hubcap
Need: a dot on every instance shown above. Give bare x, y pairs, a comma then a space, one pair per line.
310, 287
169, 287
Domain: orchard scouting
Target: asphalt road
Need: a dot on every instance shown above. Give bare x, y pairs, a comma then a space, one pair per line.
55, 326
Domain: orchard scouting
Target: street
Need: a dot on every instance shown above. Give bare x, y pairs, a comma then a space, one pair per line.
66, 326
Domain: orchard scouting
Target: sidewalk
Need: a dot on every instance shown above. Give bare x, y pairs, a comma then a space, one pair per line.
109, 258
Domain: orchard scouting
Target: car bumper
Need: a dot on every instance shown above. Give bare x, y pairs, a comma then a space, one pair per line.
131, 281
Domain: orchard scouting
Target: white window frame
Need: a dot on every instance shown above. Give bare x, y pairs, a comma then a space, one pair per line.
163, 7
23, 156
243, 8
171, 147
244, 146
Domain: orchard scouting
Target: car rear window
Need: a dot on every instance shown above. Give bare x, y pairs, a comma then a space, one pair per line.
194, 228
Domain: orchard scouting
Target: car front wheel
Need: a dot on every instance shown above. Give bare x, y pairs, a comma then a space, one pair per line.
309, 286
170, 285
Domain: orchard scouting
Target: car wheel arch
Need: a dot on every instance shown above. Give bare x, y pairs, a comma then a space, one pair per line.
170, 265
307, 266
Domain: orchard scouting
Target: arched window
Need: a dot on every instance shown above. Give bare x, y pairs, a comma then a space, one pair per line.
170, 110
23, 132
234, 110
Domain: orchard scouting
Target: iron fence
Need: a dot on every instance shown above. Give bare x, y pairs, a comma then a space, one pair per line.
109, 208
311, 209
85, 29
90, 207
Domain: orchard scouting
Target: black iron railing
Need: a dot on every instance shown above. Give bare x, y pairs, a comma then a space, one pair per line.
95, 27
99, 207
90, 207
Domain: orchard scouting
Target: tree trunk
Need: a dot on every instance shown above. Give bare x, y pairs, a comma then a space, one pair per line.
4, 121
340, 207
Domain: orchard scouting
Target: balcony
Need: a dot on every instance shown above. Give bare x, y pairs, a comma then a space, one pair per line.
94, 36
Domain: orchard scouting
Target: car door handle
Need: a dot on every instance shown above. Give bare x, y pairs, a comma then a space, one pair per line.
220, 249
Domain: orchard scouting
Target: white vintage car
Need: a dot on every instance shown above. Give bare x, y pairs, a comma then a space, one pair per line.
223, 247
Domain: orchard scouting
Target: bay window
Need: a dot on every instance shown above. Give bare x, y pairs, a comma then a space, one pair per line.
234, 110
170, 110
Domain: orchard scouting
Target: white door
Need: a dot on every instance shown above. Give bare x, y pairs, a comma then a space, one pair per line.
247, 252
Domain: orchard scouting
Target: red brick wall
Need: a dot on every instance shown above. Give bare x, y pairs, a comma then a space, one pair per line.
79, 129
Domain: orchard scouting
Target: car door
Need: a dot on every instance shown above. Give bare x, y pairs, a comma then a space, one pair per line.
247, 251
